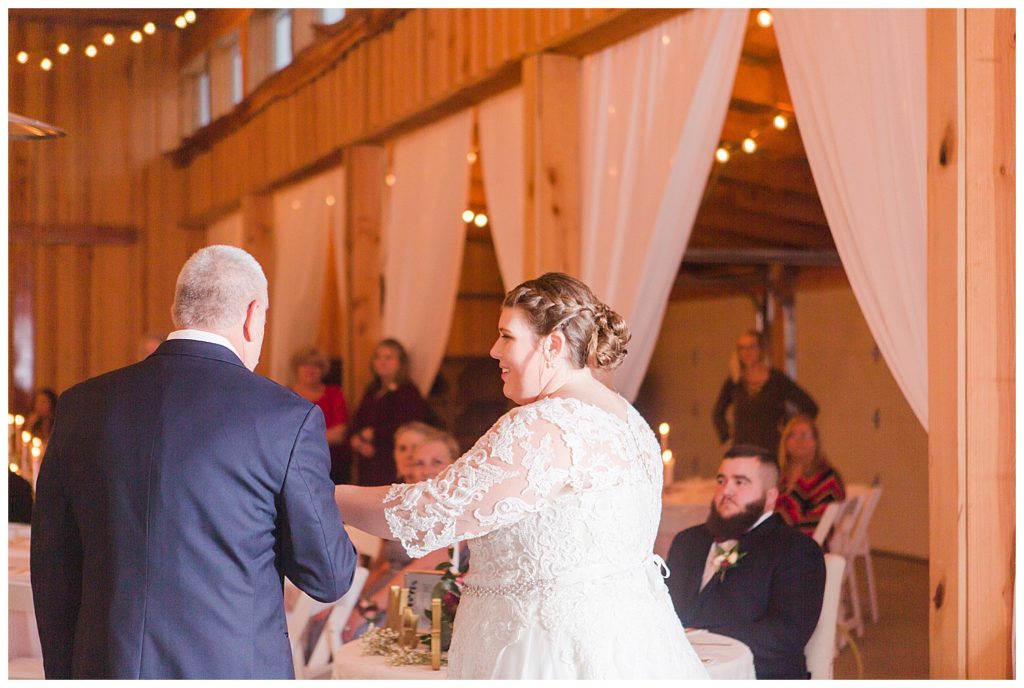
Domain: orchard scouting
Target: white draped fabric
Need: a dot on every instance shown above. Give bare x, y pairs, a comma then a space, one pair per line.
857, 78
653, 109
424, 236
501, 156
228, 231
304, 216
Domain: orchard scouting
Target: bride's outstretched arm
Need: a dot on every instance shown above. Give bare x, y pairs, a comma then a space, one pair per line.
363, 507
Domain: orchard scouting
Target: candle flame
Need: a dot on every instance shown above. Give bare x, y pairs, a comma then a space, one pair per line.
26, 436
666, 455
663, 429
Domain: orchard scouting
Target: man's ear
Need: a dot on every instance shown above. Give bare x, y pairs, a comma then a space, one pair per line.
250, 328
771, 495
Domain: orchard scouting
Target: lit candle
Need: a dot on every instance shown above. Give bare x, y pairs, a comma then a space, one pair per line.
663, 435
670, 466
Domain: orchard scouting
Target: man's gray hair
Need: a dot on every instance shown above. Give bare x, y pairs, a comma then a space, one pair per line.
215, 287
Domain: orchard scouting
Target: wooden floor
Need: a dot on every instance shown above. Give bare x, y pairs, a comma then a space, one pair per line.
897, 646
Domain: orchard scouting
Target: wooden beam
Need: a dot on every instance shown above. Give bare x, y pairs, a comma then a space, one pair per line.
609, 30
210, 27
797, 206
73, 235
763, 227
135, 18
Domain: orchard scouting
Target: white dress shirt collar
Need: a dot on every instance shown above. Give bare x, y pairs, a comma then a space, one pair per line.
204, 336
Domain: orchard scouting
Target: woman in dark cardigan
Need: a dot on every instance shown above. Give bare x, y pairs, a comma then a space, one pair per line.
390, 400
758, 395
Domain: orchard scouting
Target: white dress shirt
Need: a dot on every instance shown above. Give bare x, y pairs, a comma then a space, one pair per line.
709, 569
204, 336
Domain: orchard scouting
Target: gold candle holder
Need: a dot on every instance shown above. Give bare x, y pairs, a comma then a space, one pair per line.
435, 634
409, 637
393, 619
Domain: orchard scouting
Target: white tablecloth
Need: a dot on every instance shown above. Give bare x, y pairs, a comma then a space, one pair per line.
684, 504
22, 636
723, 657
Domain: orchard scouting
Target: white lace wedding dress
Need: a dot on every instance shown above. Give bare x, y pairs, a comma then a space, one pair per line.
561, 500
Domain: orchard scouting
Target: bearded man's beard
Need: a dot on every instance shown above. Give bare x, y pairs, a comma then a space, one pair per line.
732, 527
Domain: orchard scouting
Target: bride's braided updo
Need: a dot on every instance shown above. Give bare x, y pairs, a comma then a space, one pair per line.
596, 335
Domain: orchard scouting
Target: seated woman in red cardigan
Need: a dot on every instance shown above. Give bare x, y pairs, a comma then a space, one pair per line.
809, 483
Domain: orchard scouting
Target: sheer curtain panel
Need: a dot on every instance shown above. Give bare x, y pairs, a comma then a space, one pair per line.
501, 156
653, 109
424, 237
304, 215
857, 78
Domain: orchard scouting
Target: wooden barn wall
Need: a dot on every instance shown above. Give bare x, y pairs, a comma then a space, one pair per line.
90, 295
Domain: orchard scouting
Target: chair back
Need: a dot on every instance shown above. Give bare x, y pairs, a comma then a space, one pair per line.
859, 535
364, 543
847, 518
820, 649
321, 659
828, 519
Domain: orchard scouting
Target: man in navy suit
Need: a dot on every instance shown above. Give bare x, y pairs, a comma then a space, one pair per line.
745, 573
177, 492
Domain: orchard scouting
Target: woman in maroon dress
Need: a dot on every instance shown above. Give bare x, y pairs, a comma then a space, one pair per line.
308, 369
390, 401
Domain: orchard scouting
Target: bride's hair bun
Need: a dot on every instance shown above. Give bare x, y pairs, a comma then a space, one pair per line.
596, 335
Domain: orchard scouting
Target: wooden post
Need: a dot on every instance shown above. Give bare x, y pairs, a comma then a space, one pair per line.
551, 98
365, 168
971, 341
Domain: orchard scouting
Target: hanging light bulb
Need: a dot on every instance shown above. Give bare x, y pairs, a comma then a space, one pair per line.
480, 220
108, 39
90, 50
63, 48
149, 28
722, 154
330, 200
749, 145
180, 22
190, 16
136, 36
46, 64
471, 157
780, 122
389, 179
468, 215
23, 57
764, 19
13, 467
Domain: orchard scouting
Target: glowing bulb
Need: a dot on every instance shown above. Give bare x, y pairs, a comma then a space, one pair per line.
722, 155
330, 200
180, 22
749, 145
36, 442
23, 57
63, 48
14, 467
90, 50
480, 220
468, 215
764, 19
19, 419
190, 16
26, 436
36, 451
108, 39
663, 429
149, 28
46, 64
666, 455
10, 419
780, 122
136, 36
471, 157
665, 40
389, 180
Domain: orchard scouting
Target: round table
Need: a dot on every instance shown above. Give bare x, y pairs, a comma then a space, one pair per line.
683, 504
724, 658
22, 636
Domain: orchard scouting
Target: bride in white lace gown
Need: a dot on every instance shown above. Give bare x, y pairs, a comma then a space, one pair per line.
561, 500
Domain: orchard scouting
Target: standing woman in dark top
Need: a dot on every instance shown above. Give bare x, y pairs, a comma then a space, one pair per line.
758, 395
390, 400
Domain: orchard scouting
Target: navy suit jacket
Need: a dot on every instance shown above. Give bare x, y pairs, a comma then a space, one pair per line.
173, 496
771, 600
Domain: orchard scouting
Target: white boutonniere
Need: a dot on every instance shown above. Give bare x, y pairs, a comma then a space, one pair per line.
726, 559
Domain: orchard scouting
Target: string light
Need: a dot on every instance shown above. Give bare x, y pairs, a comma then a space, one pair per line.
23, 57
13, 467
722, 154
471, 157
90, 50
108, 39
63, 48
389, 179
46, 64
36, 452
780, 122
180, 22
480, 220
764, 19
136, 36
330, 200
468, 215
149, 28
37, 442
190, 16
749, 145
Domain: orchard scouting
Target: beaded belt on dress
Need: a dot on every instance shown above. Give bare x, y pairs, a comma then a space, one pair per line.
535, 586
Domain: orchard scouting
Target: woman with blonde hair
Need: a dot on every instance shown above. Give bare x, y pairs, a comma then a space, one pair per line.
559, 501
808, 483
758, 395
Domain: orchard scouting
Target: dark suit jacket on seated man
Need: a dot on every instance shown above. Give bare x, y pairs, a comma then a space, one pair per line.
175, 494
770, 598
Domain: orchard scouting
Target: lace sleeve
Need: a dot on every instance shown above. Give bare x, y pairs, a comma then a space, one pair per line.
509, 472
